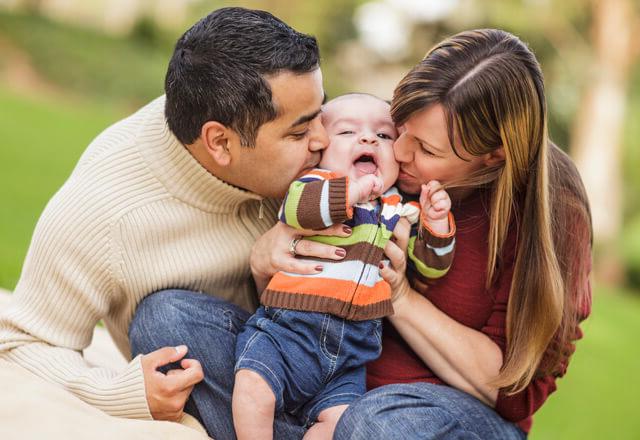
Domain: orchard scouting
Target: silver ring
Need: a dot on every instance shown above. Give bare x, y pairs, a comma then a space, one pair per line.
292, 245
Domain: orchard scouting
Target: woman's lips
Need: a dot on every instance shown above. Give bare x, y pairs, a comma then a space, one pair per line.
403, 175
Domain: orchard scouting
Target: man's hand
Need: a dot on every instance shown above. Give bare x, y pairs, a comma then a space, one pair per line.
168, 393
435, 204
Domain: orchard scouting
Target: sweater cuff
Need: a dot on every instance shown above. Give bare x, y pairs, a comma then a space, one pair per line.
130, 388
120, 394
435, 239
339, 207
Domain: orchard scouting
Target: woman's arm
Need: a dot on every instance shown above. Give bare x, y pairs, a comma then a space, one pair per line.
461, 356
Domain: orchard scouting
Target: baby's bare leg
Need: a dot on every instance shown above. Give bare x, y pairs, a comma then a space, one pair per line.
326, 424
253, 406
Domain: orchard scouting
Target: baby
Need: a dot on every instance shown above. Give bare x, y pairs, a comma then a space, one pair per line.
305, 349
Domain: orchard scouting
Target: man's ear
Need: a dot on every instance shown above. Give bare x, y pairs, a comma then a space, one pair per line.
496, 157
215, 138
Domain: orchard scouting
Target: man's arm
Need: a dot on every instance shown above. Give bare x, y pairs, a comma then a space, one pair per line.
66, 287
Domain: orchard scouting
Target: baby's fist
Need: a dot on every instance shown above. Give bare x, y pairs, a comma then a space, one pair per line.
436, 204
370, 187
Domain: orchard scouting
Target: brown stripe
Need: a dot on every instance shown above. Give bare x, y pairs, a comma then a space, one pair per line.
365, 252
429, 257
322, 304
308, 210
433, 239
338, 200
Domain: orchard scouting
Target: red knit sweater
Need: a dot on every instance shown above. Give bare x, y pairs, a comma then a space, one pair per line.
462, 295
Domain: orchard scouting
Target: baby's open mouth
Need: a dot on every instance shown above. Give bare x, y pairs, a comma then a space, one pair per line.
366, 164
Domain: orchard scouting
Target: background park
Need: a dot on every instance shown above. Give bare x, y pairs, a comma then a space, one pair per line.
70, 68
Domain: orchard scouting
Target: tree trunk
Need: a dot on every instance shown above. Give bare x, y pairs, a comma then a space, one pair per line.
597, 138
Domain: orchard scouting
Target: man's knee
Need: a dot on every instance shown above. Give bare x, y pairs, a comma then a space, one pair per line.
157, 315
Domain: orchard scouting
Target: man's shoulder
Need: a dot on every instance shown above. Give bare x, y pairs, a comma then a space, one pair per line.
124, 134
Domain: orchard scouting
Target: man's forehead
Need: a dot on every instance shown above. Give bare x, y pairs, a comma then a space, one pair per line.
297, 97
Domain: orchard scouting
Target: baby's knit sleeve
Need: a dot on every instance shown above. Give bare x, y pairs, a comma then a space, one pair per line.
316, 200
430, 253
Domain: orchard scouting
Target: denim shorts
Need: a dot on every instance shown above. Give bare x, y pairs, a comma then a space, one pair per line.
312, 361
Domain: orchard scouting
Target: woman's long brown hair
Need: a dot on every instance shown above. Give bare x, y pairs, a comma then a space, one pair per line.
491, 88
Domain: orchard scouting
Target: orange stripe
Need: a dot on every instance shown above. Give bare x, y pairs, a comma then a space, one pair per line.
331, 288
392, 199
324, 173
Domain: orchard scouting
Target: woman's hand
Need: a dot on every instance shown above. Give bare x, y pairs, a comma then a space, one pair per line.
394, 273
271, 253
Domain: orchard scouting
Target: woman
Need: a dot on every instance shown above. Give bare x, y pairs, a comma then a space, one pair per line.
477, 353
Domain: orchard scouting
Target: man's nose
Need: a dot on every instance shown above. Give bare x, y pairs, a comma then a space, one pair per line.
318, 139
402, 149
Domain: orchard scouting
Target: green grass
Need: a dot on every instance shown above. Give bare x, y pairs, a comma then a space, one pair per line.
39, 144
598, 398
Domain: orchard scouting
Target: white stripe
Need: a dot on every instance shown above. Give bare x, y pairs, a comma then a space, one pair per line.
345, 271
324, 205
443, 250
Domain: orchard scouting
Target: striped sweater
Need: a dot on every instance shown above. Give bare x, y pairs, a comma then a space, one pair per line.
353, 288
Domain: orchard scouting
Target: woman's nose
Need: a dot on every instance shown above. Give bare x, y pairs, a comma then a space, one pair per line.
402, 149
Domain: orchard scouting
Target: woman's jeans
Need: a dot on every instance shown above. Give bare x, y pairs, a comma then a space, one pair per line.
208, 327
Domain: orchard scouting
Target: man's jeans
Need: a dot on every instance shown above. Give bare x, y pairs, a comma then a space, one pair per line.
208, 326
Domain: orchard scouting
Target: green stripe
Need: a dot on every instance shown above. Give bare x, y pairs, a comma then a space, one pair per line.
424, 270
291, 206
361, 233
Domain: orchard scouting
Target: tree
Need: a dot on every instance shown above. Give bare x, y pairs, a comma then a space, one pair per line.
597, 138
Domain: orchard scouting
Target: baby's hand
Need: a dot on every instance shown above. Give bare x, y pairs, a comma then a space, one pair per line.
367, 187
436, 204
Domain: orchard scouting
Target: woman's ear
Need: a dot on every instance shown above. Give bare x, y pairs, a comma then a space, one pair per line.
215, 138
496, 157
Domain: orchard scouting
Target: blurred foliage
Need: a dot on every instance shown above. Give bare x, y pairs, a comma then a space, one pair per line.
88, 63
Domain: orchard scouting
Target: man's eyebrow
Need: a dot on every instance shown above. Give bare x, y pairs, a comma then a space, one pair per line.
422, 141
305, 118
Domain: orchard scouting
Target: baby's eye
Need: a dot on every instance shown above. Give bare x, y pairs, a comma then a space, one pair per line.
384, 136
346, 132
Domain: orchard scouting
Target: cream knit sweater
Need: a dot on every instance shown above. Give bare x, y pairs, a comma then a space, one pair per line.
138, 214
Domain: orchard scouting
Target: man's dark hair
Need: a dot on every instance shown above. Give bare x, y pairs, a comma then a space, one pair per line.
217, 71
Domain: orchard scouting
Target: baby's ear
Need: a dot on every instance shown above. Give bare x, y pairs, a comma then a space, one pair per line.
494, 158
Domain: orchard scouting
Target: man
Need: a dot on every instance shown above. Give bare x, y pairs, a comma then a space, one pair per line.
173, 196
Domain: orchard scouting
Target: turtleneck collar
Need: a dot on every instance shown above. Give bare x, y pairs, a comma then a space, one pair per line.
180, 173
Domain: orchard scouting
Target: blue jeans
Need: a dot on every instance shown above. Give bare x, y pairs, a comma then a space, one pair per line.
422, 411
312, 361
209, 326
